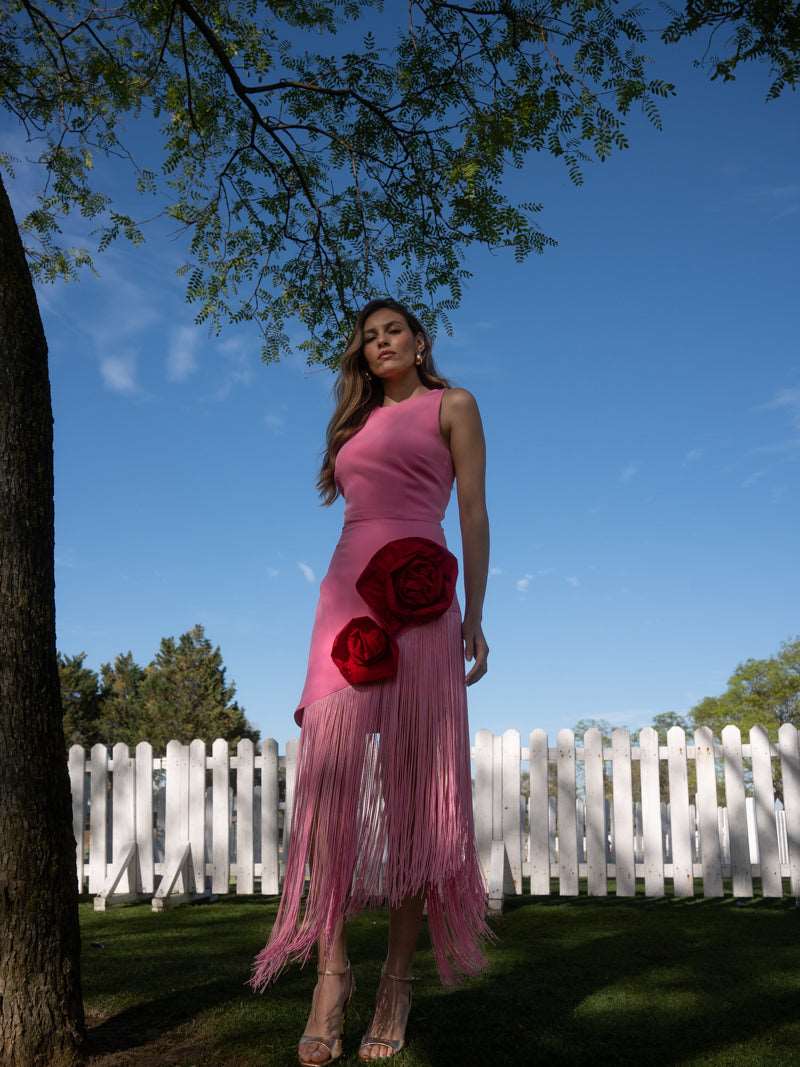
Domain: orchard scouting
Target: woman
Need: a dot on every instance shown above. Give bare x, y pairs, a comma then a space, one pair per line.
383, 794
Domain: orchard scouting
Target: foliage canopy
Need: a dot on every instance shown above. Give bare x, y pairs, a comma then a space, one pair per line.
309, 181
312, 180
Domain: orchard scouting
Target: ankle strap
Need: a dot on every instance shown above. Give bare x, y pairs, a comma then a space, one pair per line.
398, 977
347, 968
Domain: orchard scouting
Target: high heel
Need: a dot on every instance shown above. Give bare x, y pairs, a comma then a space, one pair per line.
327, 1042
395, 1044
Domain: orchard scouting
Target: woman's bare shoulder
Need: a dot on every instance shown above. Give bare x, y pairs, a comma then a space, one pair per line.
457, 402
459, 407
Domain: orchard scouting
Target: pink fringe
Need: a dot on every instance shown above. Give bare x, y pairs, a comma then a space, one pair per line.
384, 773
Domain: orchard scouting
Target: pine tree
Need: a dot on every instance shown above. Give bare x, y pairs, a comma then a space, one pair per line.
81, 701
121, 701
184, 695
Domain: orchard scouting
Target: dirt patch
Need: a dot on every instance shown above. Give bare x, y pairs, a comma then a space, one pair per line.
110, 1046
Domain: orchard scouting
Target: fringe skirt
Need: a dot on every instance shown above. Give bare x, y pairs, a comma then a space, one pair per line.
383, 810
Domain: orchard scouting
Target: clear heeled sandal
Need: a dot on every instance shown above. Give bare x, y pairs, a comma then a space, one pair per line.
395, 1044
330, 1044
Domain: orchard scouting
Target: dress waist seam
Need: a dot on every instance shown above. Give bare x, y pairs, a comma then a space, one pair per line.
400, 518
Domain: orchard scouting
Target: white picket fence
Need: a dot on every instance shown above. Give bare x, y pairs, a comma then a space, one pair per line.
187, 818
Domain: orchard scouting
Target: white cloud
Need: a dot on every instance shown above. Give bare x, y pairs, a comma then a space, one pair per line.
785, 398
776, 192
275, 423
236, 365
573, 581
782, 446
693, 455
785, 198
181, 357
119, 373
114, 330
523, 583
752, 478
791, 209
628, 472
65, 557
494, 570
272, 572
308, 573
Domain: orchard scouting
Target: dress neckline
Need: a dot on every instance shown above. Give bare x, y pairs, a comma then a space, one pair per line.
399, 403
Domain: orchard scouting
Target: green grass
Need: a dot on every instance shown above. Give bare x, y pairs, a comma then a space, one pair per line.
571, 980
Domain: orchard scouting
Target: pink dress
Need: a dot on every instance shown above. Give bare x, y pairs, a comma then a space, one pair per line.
383, 792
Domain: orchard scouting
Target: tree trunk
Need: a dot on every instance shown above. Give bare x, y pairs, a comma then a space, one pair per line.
41, 1011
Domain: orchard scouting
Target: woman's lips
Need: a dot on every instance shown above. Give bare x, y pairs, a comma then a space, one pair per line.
384, 355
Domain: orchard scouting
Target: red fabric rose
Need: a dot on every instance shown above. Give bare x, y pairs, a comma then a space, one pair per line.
364, 652
409, 581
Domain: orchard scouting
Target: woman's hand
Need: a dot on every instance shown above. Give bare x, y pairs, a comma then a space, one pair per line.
475, 647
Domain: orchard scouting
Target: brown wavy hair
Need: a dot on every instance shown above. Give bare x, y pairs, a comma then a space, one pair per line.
356, 395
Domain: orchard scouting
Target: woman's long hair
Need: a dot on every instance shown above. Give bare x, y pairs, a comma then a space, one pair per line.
356, 395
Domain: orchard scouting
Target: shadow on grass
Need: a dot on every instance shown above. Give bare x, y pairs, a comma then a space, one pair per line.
617, 980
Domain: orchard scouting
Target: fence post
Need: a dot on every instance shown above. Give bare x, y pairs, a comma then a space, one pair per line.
510, 785
622, 801
77, 785
707, 816
679, 829
764, 803
790, 776
144, 816
596, 872
539, 814
245, 767
566, 815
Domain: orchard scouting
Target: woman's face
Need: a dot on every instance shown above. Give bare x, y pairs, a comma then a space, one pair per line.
390, 347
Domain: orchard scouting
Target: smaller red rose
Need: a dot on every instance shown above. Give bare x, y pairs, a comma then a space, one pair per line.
364, 652
409, 581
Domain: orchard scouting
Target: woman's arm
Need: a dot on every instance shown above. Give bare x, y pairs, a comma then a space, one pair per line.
468, 449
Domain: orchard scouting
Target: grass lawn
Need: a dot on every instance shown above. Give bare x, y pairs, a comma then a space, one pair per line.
571, 981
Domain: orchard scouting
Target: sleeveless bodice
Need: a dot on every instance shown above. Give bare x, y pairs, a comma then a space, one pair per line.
398, 464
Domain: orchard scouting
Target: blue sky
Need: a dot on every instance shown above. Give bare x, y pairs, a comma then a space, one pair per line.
640, 393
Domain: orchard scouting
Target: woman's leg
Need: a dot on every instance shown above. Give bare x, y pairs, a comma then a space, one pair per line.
331, 992
324, 1018
332, 955
405, 924
392, 1002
